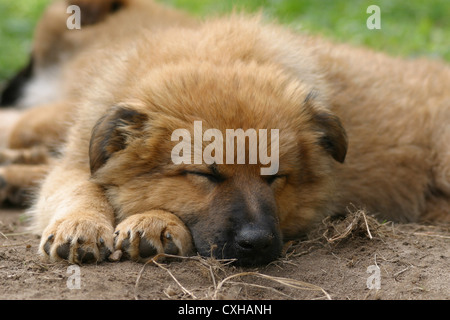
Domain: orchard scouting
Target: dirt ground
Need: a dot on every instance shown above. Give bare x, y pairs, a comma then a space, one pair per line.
341, 259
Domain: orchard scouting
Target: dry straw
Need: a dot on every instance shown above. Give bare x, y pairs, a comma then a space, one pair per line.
218, 286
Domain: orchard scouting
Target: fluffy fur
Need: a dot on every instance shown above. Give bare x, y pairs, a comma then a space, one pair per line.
356, 127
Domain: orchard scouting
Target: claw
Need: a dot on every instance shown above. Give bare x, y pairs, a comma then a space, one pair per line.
171, 248
48, 244
125, 246
85, 256
146, 249
63, 251
103, 249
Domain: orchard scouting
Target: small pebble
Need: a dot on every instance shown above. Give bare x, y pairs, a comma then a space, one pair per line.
115, 256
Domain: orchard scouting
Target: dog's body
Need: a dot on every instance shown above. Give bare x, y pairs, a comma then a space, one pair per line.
125, 99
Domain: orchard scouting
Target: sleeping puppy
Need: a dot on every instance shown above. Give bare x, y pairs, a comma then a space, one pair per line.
172, 126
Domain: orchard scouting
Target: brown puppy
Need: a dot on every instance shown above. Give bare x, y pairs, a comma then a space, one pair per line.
118, 175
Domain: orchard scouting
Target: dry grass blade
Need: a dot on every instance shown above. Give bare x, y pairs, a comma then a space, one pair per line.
341, 235
15, 244
355, 221
175, 279
16, 234
153, 260
430, 234
367, 225
292, 283
214, 263
262, 287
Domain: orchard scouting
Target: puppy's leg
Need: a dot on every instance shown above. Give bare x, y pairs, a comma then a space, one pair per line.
18, 182
41, 126
34, 155
9, 118
75, 218
142, 236
21, 172
33, 135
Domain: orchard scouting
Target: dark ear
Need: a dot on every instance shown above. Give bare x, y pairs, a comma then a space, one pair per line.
94, 11
112, 133
334, 138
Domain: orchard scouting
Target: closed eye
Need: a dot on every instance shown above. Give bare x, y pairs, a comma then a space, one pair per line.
271, 179
215, 178
116, 6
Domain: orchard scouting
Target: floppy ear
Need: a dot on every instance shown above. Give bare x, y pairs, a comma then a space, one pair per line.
93, 11
333, 138
112, 133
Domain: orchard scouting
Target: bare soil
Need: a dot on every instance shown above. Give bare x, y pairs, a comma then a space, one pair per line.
340, 260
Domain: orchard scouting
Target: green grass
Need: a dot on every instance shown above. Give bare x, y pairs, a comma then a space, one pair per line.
17, 21
408, 28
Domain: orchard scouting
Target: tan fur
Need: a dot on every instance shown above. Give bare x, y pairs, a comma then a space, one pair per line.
125, 98
9, 119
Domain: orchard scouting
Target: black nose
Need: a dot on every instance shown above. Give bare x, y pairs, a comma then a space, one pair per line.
252, 239
256, 246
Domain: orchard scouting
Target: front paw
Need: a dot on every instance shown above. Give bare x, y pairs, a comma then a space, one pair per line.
142, 236
77, 239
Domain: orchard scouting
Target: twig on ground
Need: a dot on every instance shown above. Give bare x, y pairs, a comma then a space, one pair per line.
285, 281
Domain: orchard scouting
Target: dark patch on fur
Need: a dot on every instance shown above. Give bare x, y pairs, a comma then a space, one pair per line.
334, 139
110, 134
95, 12
14, 88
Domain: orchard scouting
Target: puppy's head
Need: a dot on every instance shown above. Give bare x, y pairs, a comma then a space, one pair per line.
167, 148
